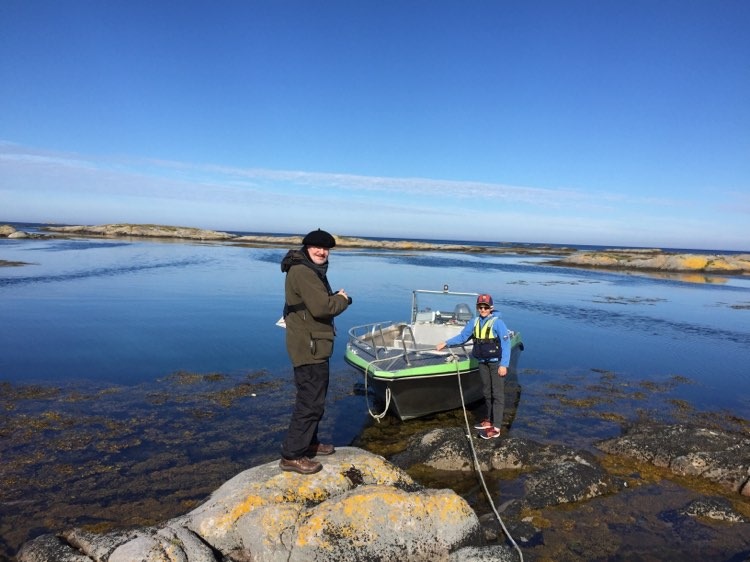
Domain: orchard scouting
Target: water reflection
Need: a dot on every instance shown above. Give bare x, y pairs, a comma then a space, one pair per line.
699, 278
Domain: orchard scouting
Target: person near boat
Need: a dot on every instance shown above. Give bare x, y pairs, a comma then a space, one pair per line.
491, 347
309, 309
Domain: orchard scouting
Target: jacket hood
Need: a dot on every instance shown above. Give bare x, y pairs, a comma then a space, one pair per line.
293, 257
300, 257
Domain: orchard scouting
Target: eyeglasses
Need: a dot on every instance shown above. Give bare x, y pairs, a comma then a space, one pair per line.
483, 307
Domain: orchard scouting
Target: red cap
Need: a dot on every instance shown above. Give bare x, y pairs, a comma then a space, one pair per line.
484, 299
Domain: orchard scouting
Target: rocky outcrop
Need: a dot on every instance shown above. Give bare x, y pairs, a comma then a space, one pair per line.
8, 231
658, 260
186, 233
408, 245
625, 259
556, 474
359, 507
720, 457
143, 230
352, 242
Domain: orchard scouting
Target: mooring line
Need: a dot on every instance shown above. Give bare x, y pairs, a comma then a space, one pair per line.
478, 467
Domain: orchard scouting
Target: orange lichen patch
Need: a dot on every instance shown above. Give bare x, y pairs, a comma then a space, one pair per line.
275, 521
693, 262
360, 517
250, 503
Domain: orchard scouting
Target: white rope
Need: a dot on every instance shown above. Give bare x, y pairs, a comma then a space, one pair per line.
479, 467
377, 417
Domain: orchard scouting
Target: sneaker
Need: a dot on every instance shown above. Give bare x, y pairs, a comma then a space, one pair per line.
302, 465
490, 433
484, 424
320, 449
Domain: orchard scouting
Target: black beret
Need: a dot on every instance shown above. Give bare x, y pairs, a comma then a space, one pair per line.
319, 239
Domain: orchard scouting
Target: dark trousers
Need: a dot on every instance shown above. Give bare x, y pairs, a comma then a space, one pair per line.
312, 386
493, 386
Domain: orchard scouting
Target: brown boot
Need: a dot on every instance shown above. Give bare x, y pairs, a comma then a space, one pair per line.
320, 449
302, 465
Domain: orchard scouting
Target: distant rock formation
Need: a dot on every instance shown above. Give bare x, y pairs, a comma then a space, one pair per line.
8, 231
622, 259
143, 230
658, 260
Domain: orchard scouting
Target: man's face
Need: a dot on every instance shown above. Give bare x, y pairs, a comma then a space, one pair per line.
318, 255
484, 310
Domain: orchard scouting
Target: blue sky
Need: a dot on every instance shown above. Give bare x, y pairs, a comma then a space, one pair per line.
612, 122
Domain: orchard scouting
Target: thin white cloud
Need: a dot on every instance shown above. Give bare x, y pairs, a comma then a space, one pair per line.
276, 199
211, 176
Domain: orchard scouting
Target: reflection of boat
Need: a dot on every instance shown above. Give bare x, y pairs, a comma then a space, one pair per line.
401, 364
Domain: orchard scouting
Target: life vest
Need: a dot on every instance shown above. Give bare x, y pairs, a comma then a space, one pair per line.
485, 345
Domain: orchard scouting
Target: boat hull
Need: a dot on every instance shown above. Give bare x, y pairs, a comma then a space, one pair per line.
421, 396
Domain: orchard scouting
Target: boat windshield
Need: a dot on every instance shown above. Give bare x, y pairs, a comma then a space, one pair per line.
442, 307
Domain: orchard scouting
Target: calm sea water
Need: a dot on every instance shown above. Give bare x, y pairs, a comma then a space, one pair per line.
120, 317
132, 311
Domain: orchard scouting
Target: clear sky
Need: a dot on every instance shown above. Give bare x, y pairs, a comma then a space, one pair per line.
612, 122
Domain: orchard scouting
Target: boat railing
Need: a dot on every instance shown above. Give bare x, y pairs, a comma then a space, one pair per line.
373, 336
388, 340
407, 328
377, 330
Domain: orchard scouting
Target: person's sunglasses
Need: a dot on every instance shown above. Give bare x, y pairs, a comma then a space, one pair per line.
483, 307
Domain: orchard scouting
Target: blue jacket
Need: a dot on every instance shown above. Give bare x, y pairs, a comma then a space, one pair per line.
499, 330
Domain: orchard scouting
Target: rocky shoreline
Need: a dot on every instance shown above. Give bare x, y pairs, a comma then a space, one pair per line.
645, 260
364, 507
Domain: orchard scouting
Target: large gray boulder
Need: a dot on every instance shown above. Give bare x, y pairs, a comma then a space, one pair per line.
556, 474
359, 507
719, 456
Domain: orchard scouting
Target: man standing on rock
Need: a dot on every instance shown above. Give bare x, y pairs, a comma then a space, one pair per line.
309, 309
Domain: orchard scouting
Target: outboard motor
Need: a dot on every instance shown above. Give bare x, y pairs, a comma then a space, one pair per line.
462, 313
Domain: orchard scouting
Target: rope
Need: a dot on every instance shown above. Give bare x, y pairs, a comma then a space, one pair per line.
380, 416
478, 467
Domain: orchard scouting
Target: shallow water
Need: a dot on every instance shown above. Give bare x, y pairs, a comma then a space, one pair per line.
139, 375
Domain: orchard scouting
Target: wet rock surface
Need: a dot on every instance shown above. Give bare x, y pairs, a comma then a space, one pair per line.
565, 504
720, 457
359, 507
555, 474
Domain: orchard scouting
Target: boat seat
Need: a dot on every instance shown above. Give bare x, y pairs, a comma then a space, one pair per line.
426, 316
